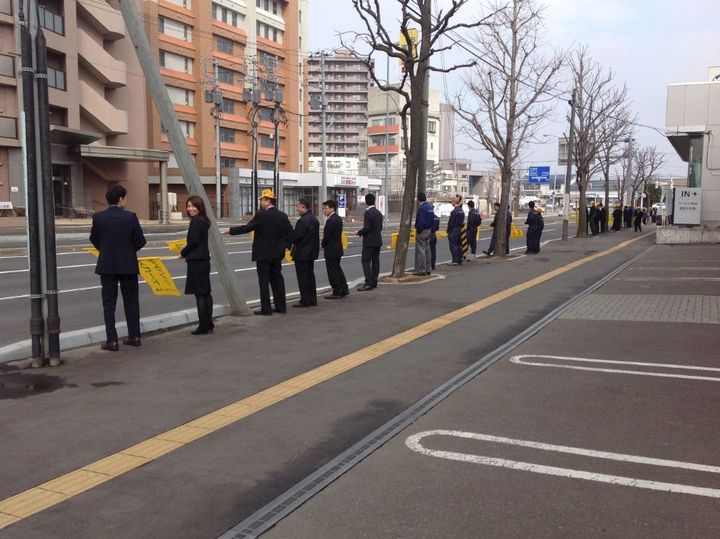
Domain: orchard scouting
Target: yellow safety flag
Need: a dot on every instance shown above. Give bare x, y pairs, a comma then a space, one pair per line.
343, 239
175, 246
288, 257
157, 276
92, 251
515, 232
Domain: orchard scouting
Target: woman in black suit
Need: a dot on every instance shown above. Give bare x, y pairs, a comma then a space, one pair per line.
197, 255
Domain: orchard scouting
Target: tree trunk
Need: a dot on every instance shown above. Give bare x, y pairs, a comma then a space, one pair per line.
606, 173
501, 223
582, 222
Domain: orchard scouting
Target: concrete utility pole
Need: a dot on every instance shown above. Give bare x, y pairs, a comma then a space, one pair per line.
254, 98
422, 164
278, 118
323, 127
568, 170
628, 176
217, 112
386, 189
178, 143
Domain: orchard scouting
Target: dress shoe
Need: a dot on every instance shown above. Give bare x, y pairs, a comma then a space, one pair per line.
276, 310
260, 312
487, 253
110, 346
132, 341
334, 296
301, 305
345, 293
200, 331
363, 288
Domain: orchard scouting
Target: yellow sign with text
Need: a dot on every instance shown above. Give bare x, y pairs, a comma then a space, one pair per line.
175, 246
157, 276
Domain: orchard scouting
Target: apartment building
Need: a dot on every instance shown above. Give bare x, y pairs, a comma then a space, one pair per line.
11, 167
262, 41
347, 81
97, 107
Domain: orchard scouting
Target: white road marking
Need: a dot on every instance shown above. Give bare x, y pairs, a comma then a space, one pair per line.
667, 279
519, 360
683, 268
413, 442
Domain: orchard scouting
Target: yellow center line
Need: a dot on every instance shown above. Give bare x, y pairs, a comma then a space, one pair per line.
41, 497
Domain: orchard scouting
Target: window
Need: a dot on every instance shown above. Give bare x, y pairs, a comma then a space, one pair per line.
227, 162
267, 166
225, 75
266, 115
695, 161
181, 96
56, 78
175, 29
275, 7
51, 20
227, 135
266, 141
268, 32
228, 16
228, 105
176, 62
432, 127
269, 60
266, 5
182, 3
187, 128
225, 45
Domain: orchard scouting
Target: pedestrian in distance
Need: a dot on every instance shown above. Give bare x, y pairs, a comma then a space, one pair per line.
454, 231
423, 229
371, 233
535, 225
197, 255
628, 214
617, 219
493, 225
305, 250
272, 230
594, 219
602, 215
474, 220
333, 250
117, 235
638, 219
433, 241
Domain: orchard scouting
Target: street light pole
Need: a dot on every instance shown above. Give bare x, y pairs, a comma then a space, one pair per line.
568, 170
387, 141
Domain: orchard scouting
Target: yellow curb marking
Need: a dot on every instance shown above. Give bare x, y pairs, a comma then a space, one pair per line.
42, 497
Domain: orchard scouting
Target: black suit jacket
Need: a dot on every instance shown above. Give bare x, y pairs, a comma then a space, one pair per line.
371, 231
306, 238
197, 240
272, 228
456, 220
117, 234
332, 237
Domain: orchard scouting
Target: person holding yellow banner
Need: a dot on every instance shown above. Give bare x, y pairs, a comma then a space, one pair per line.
197, 255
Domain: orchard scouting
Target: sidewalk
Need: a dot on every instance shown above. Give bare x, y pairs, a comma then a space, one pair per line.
197, 433
604, 423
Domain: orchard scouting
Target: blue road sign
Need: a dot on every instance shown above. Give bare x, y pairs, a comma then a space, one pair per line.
342, 201
539, 174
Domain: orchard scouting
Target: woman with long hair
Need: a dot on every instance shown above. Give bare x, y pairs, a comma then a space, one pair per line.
197, 255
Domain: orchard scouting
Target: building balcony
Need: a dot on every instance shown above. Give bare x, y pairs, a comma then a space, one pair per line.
381, 129
111, 120
104, 18
376, 150
101, 63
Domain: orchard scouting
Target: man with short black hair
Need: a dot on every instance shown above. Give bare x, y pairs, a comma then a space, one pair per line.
474, 220
305, 250
423, 227
371, 233
454, 230
117, 235
333, 250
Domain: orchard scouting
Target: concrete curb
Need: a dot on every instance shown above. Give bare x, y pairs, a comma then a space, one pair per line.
95, 335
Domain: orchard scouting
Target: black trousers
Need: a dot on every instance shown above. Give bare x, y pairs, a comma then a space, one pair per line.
472, 239
533, 240
493, 242
433, 248
270, 277
371, 265
336, 276
455, 247
131, 303
204, 304
305, 270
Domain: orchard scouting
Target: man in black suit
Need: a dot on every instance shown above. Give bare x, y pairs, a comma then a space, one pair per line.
117, 235
305, 251
272, 229
333, 249
371, 233
454, 230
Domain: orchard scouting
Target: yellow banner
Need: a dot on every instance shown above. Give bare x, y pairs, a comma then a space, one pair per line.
157, 276
288, 257
92, 251
175, 246
343, 239
413, 33
515, 232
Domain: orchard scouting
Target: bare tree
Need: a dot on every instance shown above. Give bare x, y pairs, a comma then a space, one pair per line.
647, 162
505, 99
377, 38
598, 102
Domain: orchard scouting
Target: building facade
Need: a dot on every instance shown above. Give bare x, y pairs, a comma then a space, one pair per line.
347, 81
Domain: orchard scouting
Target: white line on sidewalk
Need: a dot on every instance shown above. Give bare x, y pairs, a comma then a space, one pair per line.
520, 361
413, 442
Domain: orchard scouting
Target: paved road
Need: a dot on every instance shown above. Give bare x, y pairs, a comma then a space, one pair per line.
79, 296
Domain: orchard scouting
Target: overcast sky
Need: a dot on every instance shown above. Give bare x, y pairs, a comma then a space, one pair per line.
647, 43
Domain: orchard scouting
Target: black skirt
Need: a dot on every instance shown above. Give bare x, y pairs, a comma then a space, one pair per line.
198, 277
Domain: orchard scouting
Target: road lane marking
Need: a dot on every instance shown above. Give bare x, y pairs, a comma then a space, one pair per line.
298, 384
519, 360
413, 443
668, 278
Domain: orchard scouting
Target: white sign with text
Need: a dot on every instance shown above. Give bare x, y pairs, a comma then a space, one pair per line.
686, 208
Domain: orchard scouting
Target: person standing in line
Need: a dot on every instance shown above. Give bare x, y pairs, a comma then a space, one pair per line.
371, 233
423, 229
535, 225
454, 231
594, 219
628, 213
617, 219
305, 251
333, 251
602, 215
117, 235
433, 241
272, 229
197, 255
493, 225
637, 219
474, 220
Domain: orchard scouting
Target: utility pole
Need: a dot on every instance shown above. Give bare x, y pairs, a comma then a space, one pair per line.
323, 127
253, 96
422, 164
628, 176
189, 171
214, 96
27, 73
387, 141
568, 170
276, 95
